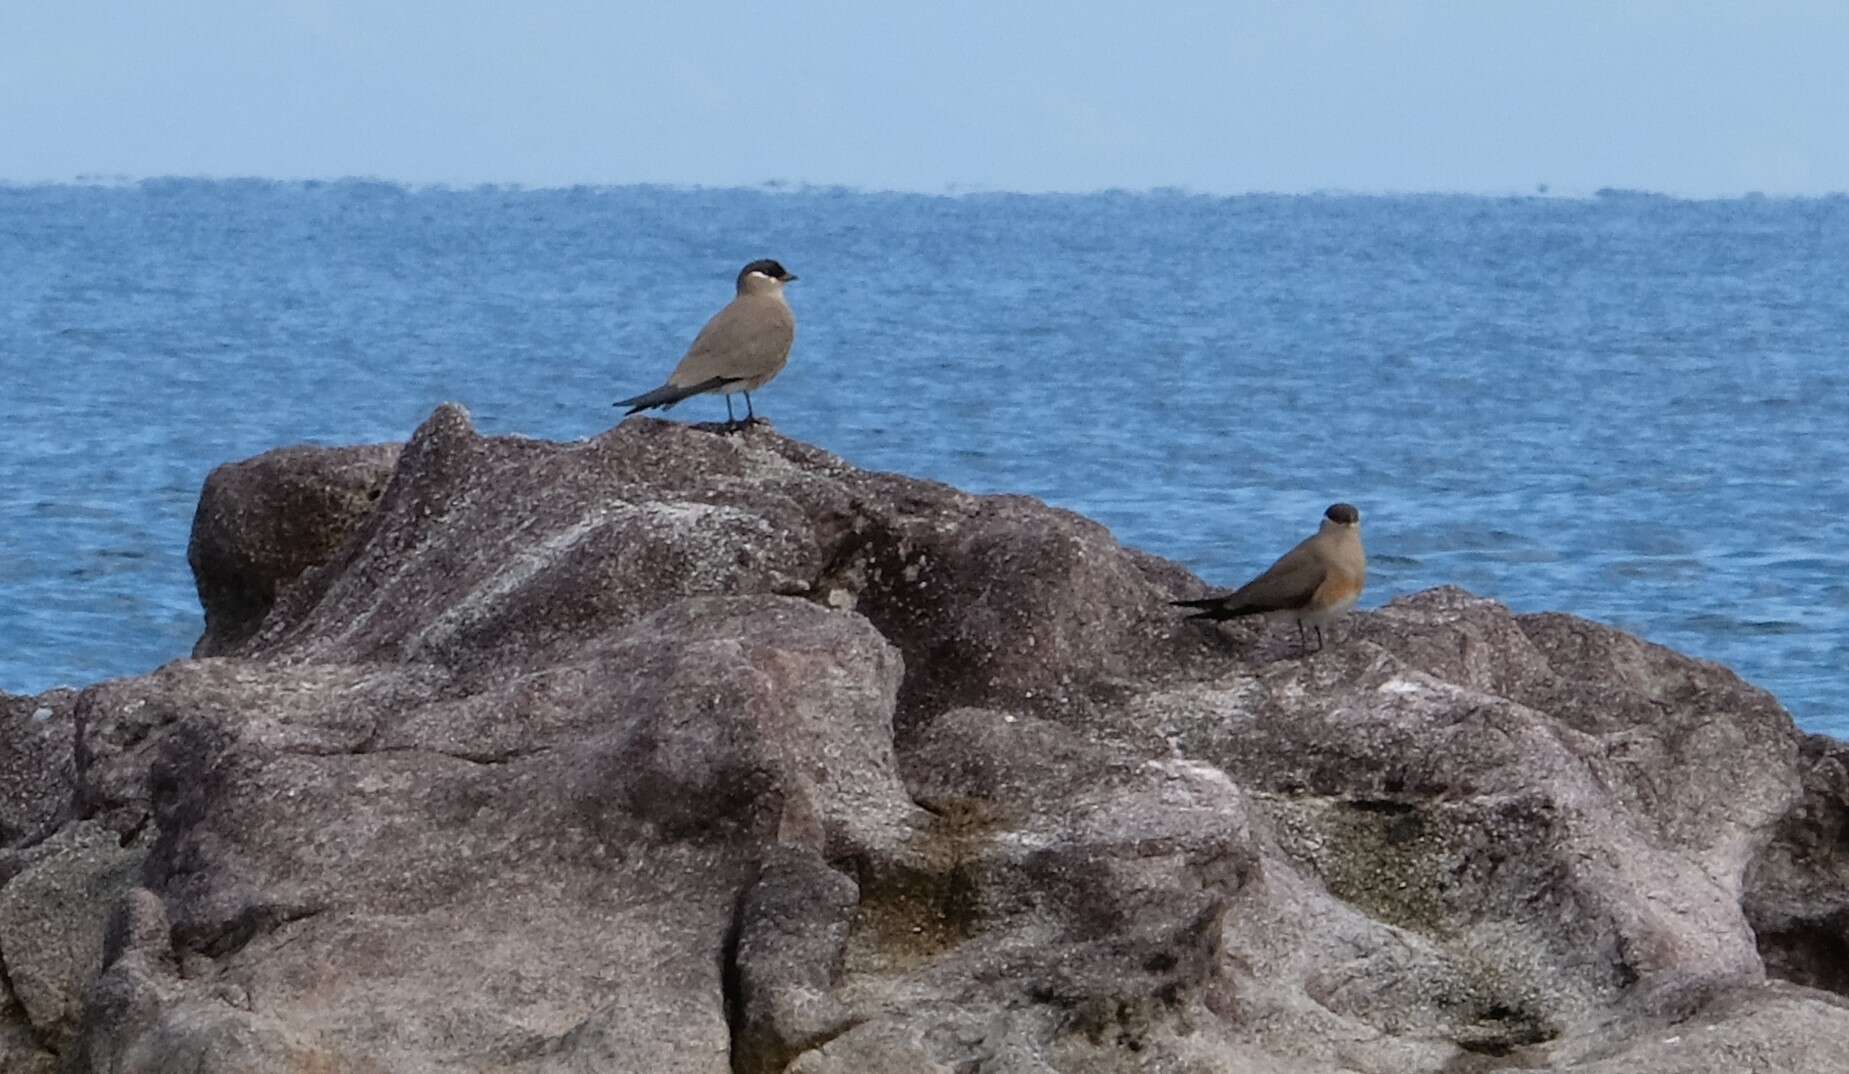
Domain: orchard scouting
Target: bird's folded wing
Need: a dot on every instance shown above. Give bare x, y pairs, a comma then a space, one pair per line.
746, 339
1288, 583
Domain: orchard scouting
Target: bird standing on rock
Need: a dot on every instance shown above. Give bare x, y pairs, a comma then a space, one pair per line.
740, 349
1314, 582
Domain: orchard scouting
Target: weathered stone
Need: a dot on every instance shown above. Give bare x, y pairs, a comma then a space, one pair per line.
36, 778
869, 1047
1797, 889
791, 930
485, 553
262, 522
52, 920
122, 724
20, 1050
542, 874
1774, 1029
676, 751
484, 548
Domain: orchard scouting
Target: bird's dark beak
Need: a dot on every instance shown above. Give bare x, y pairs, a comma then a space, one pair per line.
787, 278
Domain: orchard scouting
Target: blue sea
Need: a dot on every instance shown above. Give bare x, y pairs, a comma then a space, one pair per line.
1627, 407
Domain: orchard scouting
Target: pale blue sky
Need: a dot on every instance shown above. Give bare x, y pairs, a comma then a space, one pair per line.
1687, 98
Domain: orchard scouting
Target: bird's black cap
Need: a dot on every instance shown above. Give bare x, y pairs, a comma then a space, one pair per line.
1344, 513
767, 267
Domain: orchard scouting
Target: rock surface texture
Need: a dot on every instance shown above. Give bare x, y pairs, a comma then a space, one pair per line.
673, 751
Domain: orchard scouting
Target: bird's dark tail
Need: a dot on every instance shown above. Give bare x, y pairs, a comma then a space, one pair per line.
1216, 608
667, 395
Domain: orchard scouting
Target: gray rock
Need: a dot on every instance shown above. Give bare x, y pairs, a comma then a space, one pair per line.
561, 900
1774, 1029
52, 920
1532, 873
20, 1050
792, 928
491, 549
36, 771
1797, 888
675, 751
485, 554
263, 522
868, 1047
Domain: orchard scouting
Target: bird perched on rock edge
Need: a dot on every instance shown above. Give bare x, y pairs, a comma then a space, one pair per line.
740, 349
1314, 582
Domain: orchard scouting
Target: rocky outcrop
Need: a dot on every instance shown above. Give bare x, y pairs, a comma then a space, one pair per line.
1797, 890
676, 751
52, 917
36, 766
37, 785
264, 521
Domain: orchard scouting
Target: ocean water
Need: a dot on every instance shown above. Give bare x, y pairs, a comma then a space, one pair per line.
1627, 407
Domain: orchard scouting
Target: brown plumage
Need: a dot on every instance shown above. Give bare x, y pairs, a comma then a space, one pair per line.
740, 349
1315, 582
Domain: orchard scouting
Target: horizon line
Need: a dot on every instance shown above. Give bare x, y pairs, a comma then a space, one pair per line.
1537, 191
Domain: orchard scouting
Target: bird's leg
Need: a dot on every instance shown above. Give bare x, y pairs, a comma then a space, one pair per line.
750, 418
730, 421
1303, 643
1319, 637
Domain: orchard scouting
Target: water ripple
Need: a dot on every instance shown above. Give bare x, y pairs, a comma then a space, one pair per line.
1626, 408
